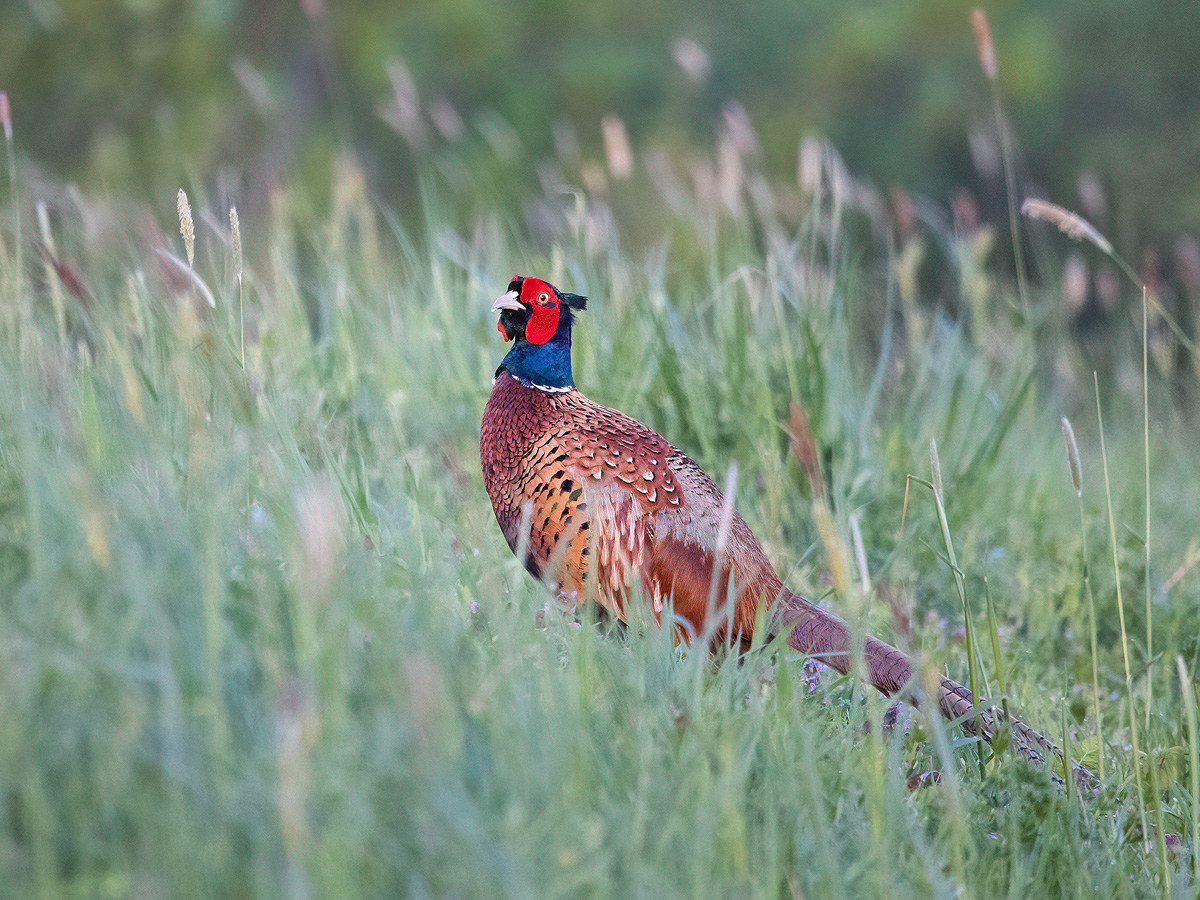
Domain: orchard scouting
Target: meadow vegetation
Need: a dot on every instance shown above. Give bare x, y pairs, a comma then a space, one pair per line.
260, 634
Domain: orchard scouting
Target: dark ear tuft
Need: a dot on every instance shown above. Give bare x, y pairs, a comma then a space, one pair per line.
575, 301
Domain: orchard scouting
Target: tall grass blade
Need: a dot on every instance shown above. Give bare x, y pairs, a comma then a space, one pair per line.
1129, 698
1146, 494
975, 674
1076, 466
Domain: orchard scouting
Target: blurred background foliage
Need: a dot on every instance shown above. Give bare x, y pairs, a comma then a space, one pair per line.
110, 91
628, 109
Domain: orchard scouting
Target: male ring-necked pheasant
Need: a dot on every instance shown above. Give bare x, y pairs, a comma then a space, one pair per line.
602, 504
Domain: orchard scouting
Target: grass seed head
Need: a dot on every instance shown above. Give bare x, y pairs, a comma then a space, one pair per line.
235, 230
6, 116
983, 43
1073, 225
618, 152
186, 227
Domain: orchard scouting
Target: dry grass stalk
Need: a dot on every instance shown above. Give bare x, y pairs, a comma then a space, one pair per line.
692, 59
186, 226
1073, 455
6, 116
446, 120
1071, 224
983, 43
804, 448
49, 256
235, 229
617, 150
404, 113
810, 165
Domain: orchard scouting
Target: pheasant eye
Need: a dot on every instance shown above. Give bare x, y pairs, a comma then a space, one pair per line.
543, 299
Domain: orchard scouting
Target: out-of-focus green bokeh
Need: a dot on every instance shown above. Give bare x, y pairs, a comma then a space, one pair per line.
113, 92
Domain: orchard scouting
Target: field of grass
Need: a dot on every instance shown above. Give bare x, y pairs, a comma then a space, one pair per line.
260, 634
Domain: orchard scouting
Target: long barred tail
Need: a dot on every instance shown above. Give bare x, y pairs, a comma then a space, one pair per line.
956, 704
824, 636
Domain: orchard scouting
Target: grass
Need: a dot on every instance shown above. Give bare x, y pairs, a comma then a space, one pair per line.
259, 633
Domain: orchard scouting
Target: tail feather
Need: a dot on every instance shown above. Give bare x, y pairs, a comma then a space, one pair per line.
958, 705
825, 637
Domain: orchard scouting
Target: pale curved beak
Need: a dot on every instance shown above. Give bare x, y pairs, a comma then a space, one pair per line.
506, 301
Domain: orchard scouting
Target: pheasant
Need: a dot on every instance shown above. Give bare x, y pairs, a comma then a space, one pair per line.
602, 505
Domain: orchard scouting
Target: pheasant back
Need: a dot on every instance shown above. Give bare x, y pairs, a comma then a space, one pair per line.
610, 505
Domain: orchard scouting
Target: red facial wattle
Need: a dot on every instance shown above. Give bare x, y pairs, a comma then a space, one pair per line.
543, 322
543, 310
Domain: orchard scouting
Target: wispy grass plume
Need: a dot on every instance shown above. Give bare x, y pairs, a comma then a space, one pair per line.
187, 227
1073, 225
1078, 228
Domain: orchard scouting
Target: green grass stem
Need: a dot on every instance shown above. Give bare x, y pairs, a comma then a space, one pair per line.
1131, 710
975, 680
1076, 468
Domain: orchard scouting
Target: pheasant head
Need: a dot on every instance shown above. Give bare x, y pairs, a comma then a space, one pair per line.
537, 318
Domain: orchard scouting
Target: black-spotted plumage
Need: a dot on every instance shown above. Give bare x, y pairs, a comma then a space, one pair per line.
611, 505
